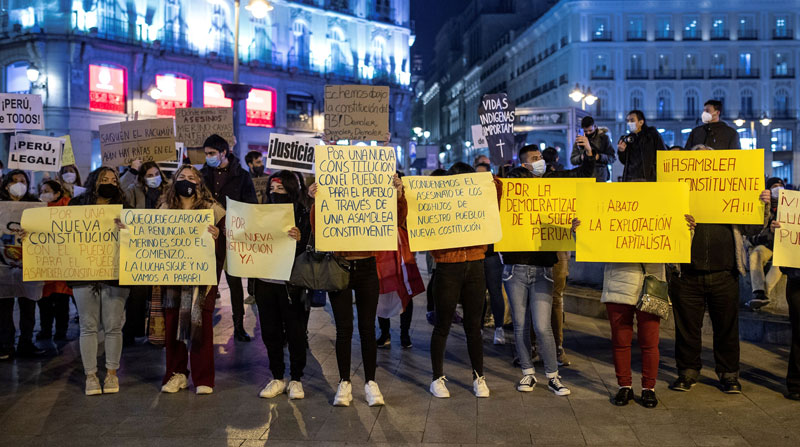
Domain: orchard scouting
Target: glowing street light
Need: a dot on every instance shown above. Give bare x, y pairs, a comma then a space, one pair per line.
32, 73
765, 120
576, 94
259, 8
739, 122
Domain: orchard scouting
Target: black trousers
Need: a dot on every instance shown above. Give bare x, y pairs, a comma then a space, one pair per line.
237, 300
54, 307
136, 312
405, 320
693, 293
431, 305
364, 282
27, 320
280, 309
793, 297
464, 282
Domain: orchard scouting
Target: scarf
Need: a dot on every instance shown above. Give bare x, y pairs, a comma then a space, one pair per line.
189, 302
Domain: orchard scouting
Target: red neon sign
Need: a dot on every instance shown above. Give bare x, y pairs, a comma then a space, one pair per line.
260, 108
175, 94
213, 96
106, 89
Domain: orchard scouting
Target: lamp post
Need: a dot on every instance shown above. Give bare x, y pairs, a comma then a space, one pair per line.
585, 98
235, 91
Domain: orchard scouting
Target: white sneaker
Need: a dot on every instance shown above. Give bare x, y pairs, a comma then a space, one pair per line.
175, 383
295, 390
374, 396
557, 387
203, 390
344, 394
527, 383
111, 384
438, 388
93, 385
499, 336
273, 388
480, 388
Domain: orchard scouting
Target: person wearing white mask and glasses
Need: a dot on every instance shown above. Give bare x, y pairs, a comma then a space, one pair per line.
713, 133
637, 149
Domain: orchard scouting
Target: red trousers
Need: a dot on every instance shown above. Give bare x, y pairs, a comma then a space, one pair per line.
202, 353
621, 318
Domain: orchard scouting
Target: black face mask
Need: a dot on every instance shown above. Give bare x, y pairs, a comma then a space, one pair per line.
107, 190
185, 188
258, 170
276, 197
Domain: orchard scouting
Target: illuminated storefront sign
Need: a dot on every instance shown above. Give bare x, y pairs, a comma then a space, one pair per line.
174, 93
213, 96
106, 89
260, 108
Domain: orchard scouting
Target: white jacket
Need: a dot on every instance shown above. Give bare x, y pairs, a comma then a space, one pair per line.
622, 282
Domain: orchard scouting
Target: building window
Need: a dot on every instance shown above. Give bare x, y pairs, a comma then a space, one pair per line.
601, 64
601, 109
338, 60
668, 136
718, 66
746, 138
664, 64
664, 105
221, 36
664, 28
782, 169
692, 104
17, 78
781, 66
175, 92
214, 96
781, 30
636, 62
300, 54
745, 65
637, 100
718, 28
746, 104
747, 28
636, 28
600, 29
691, 28
782, 103
300, 111
107, 87
781, 140
719, 95
260, 108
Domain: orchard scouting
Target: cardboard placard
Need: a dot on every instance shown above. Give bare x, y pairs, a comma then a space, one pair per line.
262, 188
786, 251
725, 184
35, 153
536, 214
146, 140
20, 112
259, 245
496, 113
67, 155
357, 112
628, 222
291, 153
478, 138
11, 284
194, 125
71, 243
356, 203
167, 247
452, 211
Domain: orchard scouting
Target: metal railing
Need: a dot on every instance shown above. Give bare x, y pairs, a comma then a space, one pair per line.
782, 73
744, 73
782, 34
747, 34
719, 73
602, 36
665, 35
637, 73
692, 73
636, 35
600, 74
665, 73
722, 34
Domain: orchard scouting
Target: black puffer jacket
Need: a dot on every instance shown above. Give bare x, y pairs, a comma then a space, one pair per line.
236, 184
714, 135
639, 157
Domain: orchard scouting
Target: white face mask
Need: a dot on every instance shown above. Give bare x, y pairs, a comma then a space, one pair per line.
153, 182
47, 197
776, 192
18, 189
706, 117
69, 177
631, 126
539, 166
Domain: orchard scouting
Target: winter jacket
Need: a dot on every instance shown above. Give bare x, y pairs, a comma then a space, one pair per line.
714, 135
622, 282
601, 144
135, 191
235, 184
639, 157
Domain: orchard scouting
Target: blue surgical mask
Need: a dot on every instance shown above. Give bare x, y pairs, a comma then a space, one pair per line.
213, 161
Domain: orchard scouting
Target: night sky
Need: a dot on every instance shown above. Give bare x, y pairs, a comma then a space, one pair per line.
430, 15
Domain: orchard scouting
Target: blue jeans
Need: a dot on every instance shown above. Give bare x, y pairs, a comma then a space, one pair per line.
529, 291
100, 306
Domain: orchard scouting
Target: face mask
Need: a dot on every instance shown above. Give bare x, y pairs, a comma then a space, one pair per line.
631, 126
107, 190
213, 161
539, 167
69, 177
706, 117
258, 170
776, 192
153, 182
277, 197
47, 197
185, 188
18, 189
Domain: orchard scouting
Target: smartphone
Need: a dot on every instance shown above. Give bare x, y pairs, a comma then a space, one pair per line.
580, 132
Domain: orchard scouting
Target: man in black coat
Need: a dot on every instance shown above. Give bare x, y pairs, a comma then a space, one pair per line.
600, 144
713, 133
225, 177
637, 149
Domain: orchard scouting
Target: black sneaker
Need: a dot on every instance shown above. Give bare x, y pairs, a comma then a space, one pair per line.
405, 341
241, 335
649, 399
683, 383
624, 395
758, 301
28, 349
384, 341
555, 385
793, 395
731, 386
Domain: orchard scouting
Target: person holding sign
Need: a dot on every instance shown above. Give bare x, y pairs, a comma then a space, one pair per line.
281, 306
761, 253
637, 149
793, 299
101, 304
54, 305
189, 309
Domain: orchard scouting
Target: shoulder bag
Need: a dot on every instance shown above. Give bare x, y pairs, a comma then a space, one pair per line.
655, 296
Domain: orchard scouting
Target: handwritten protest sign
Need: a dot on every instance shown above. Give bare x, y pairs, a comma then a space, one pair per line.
291, 153
724, 184
787, 237
35, 153
67, 155
167, 247
356, 112
356, 204
536, 214
11, 284
146, 140
194, 125
496, 113
452, 211
258, 242
633, 222
20, 112
71, 243
262, 188
478, 138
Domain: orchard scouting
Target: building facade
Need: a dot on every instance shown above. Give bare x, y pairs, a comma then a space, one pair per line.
106, 61
665, 58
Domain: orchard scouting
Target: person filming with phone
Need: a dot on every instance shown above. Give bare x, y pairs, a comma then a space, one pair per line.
591, 135
637, 149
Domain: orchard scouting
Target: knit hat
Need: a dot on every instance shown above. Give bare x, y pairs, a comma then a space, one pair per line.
772, 181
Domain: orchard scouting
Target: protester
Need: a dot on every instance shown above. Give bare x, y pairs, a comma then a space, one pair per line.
460, 277
713, 132
225, 177
483, 167
430, 314
600, 143
70, 179
54, 305
793, 299
637, 149
101, 304
15, 188
550, 155
255, 163
761, 253
189, 309
281, 306
480, 160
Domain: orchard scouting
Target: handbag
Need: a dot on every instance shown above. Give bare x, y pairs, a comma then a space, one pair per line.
655, 296
317, 270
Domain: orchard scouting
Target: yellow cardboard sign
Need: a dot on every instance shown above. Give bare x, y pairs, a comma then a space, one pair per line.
67, 156
633, 222
452, 211
356, 203
167, 247
787, 237
71, 243
258, 243
536, 214
724, 184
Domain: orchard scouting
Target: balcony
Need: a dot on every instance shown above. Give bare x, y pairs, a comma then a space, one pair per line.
601, 36
782, 73
691, 36
783, 114
665, 73
599, 74
747, 34
664, 115
692, 73
338, 6
720, 73
782, 34
636, 35
382, 13
721, 34
637, 73
341, 70
745, 73
665, 35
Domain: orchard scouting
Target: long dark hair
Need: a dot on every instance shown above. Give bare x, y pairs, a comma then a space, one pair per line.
89, 197
74, 169
146, 166
7, 180
292, 186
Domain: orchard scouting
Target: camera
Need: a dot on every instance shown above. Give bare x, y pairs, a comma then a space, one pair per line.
628, 139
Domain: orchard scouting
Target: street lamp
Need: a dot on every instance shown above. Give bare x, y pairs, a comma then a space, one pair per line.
259, 8
739, 121
32, 73
468, 144
578, 95
448, 146
426, 134
417, 131
765, 120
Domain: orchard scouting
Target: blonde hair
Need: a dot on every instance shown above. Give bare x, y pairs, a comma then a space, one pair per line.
203, 199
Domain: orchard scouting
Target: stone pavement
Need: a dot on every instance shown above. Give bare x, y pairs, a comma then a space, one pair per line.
42, 402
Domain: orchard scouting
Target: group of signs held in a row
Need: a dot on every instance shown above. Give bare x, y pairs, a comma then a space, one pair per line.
356, 206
